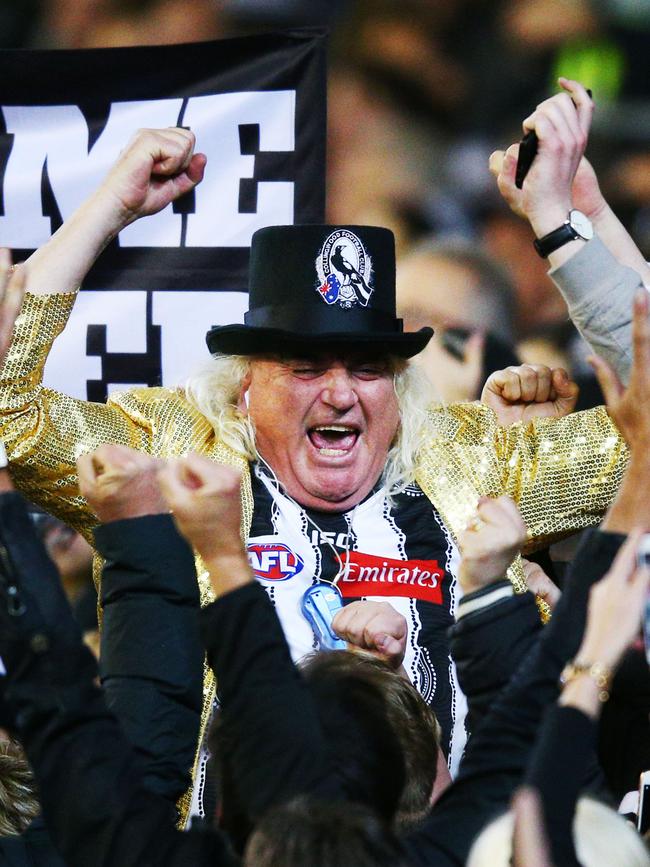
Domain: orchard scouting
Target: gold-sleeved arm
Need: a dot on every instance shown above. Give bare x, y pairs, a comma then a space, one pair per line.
563, 473
44, 431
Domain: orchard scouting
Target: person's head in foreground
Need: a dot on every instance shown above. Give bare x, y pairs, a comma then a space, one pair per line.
409, 717
315, 833
382, 739
317, 380
18, 796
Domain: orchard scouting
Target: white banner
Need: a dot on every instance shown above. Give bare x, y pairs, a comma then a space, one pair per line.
257, 108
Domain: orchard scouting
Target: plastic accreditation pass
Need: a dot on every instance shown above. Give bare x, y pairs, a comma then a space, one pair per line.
320, 603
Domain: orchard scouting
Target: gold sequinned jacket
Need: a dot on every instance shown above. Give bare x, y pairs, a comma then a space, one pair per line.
562, 473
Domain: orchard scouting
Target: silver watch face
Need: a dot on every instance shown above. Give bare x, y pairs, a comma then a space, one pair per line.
581, 224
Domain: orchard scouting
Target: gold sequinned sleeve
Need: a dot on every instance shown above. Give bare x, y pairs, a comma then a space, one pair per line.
44, 431
563, 473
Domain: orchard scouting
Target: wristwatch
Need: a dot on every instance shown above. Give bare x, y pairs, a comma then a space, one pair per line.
577, 225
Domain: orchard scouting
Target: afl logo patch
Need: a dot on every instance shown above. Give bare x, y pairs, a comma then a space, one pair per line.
273, 561
344, 270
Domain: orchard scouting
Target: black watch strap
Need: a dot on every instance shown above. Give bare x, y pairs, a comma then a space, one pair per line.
555, 239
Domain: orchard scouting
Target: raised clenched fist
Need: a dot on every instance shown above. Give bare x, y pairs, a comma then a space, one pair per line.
154, 169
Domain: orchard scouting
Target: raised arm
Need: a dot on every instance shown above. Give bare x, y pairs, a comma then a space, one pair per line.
44, 431
91, 782
567, 742
151, 661
598, 278
581, 458
495, 627
155, 168
498, 753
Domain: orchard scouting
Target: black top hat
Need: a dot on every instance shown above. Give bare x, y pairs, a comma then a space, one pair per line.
320, 289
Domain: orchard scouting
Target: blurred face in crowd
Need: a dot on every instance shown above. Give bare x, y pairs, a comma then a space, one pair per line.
435, 290
538, 303
71, 553
324, 425
69, 550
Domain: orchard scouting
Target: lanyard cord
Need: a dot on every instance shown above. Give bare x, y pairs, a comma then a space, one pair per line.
343, 566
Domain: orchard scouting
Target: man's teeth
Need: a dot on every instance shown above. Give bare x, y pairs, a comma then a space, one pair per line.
334, 440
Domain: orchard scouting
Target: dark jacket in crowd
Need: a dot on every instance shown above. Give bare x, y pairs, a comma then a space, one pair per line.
564, 751
559, 772
151, 653
151, 661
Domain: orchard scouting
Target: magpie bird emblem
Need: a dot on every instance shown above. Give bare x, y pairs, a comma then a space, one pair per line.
344, 270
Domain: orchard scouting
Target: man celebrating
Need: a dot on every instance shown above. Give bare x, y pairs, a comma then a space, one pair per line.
348, 478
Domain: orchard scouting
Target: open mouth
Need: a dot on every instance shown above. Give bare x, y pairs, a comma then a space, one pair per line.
333, 439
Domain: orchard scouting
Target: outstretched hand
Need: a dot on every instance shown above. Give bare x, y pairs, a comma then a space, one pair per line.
374, 626
560, 177
155, 168
520, 394
585, 190
120, 483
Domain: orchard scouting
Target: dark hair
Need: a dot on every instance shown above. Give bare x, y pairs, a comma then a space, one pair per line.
319, 834
410, 719
363, 748
381, 735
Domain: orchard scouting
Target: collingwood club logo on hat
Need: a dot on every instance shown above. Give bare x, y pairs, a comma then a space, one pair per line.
344, 270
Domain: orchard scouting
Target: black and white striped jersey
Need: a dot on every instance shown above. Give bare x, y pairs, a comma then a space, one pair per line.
399, 552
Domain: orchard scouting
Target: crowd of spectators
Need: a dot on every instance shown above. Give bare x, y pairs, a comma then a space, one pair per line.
341, 762
337, 764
